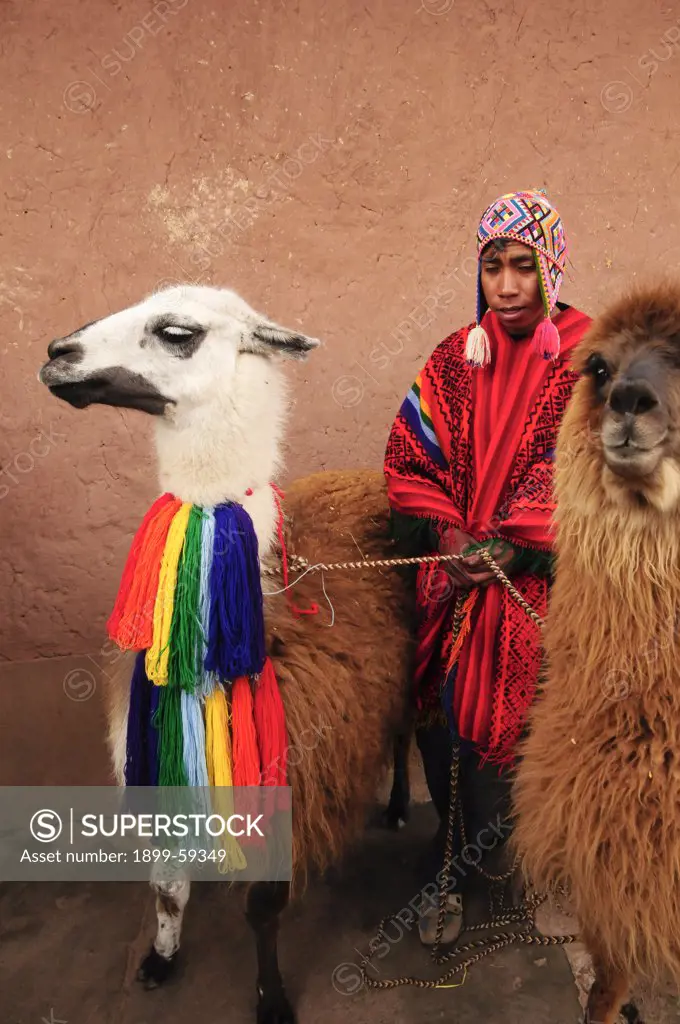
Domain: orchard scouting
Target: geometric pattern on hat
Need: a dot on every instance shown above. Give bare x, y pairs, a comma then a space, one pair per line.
528, 217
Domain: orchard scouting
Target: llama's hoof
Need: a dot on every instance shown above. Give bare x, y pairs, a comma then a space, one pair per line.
155, 969
392, 822
394, 816
274, 1009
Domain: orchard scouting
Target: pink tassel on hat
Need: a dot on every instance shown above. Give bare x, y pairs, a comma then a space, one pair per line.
546, 340
478, 347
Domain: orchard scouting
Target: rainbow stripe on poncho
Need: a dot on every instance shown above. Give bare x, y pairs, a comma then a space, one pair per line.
205, 707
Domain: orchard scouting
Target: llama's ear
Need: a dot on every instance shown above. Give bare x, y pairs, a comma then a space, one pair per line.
267, 338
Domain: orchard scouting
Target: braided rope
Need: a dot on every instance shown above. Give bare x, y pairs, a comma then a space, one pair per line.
380, 563
366, 563
479, 948
514, 592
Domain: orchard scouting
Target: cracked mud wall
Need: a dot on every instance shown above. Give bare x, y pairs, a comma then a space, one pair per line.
329, 162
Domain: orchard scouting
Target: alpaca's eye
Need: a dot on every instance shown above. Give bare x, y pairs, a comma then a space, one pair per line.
597, 368
175, 333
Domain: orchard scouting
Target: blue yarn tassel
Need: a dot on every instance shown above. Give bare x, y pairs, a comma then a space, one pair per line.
152, 735
206, 680
136, 764
236, 644
194, 741
195, 765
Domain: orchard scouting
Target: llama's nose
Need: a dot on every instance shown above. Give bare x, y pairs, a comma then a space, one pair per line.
61, 347
633, 397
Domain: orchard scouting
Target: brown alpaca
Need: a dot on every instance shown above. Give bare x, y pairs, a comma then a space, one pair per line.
597, 793
207, 367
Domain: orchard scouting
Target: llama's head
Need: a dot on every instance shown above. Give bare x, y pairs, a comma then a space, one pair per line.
174, 350
620, 438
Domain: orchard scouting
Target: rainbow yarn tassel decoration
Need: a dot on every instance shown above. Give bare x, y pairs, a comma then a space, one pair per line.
205, 707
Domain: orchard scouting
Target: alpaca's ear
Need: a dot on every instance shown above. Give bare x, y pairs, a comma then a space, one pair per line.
267, 338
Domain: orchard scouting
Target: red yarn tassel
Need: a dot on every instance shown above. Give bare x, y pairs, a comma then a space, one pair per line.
278, 495
131, 564
244, 749
272, 736
270, 722
246, 757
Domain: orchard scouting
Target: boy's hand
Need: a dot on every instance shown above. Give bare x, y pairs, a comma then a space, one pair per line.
472, 570
479, 572
453, 542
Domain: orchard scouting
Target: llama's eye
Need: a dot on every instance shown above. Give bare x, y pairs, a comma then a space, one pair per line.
597, 368
175, 333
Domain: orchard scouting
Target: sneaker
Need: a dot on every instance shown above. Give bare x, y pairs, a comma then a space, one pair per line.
453, 920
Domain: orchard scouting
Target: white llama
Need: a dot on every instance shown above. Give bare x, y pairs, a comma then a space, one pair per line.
207, 367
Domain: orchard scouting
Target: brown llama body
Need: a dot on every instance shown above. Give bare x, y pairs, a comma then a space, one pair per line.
597, 792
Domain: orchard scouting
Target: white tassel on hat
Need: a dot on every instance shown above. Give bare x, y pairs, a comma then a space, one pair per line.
478, 347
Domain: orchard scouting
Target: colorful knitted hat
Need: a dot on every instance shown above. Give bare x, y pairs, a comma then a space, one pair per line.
529, 218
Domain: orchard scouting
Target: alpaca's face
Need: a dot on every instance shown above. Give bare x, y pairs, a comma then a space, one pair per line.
631, 389
629, 400
175, 349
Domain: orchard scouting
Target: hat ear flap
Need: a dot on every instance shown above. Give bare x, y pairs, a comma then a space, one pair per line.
546, 339
482, 304
541, 271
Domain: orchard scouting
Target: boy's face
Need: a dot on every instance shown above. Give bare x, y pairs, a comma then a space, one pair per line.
510, 284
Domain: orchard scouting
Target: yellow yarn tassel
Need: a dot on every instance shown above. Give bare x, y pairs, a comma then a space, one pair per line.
156, 660
218, 757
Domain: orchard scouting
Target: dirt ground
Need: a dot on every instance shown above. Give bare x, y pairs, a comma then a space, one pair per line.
72, 950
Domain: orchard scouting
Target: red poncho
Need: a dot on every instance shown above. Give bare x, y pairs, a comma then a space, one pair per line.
473, 449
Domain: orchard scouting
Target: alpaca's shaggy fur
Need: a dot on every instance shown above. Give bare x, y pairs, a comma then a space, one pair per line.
597, 793
344, 686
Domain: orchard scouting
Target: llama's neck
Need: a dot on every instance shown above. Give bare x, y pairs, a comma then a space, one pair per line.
614, 610
608, 534
228, 447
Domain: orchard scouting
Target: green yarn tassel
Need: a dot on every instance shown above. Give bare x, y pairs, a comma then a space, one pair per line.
185, 627
168, 719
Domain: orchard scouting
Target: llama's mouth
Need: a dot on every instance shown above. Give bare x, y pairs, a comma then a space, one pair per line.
631, 461
115, 386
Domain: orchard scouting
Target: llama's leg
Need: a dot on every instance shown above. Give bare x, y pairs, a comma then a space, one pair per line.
264, 903
171, 899
609, 991
397, 811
